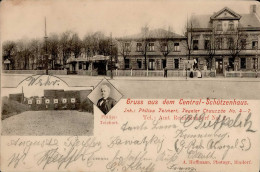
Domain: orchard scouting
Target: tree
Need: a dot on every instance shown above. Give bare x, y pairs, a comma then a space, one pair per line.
35, 47
23, 54
124, 46
236, 42
104, 46
65, 46
97, 37
145, 43
76, 45
87, 45
9, 52
166, 45
189, 33
53, 49
212, 41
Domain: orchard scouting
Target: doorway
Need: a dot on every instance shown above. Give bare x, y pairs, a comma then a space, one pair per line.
151, 65
100, 66
219, 66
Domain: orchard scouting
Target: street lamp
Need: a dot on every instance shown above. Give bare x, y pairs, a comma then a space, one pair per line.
111, 60
46, 50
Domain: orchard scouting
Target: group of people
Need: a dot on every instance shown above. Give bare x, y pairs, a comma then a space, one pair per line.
199, 74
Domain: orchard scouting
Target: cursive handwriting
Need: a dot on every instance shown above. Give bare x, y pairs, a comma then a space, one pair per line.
74, 151
38, 80
131, 162
146, 141
187, 121
181, 169
29, 143
16, 158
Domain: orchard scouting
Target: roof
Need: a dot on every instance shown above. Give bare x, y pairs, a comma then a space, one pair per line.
249, 20
87, 59
7, 61
201, 21
228, 10
154, 34
246, 20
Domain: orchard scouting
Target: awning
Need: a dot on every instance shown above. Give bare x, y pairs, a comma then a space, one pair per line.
99, 57
87, 59
7, 61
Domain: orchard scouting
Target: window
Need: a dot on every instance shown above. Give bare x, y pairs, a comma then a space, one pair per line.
231, 25
206, 45
72, 100
139, 63
47, 101
176, 47
163, 63
242, 63
127, 63
243, 44
254, 45
29, 102
64, 101
151, 46
127, 46
80, 65
195, 44
139, 47
164, 47
230, 63
230, 43
151, 64
39, 101
255, 62
219, 43
55, 101
219, 26
176, 63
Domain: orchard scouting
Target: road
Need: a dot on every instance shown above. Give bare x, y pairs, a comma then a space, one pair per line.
157, 87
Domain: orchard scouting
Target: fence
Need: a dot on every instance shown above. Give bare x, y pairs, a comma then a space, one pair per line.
87, 72
241, 74
159, 73
36, 72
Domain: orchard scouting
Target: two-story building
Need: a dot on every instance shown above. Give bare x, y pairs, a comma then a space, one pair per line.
152, 50
226, 41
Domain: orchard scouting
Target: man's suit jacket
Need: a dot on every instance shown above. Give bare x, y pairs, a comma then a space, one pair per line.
105, 105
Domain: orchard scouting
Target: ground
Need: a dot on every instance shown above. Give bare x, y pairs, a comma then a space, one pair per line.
39, 123
159, 87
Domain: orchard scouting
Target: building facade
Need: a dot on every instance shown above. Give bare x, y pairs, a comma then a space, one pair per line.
225, 41
95, 65
152, 50
56, 100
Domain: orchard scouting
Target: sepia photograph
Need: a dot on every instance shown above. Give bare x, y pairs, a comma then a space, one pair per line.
130, 85
212, 49
45, 105
105, 96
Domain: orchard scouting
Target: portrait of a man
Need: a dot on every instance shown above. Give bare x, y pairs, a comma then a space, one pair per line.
106, 103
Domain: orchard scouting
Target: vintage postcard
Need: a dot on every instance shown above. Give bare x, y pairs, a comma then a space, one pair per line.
130, 86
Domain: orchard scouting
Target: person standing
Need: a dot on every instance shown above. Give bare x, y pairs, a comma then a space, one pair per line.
165, 72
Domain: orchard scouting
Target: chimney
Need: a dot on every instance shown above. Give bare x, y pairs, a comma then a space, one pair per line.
252, 9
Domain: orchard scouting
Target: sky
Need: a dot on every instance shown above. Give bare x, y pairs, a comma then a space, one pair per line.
22, 19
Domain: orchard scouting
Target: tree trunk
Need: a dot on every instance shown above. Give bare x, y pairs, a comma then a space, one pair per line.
145, 62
